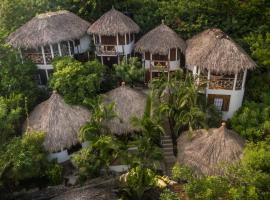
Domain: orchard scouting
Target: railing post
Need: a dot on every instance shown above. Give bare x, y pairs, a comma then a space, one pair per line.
208, 77
235, 80
52, 53
43, 55
59, 49
244, 79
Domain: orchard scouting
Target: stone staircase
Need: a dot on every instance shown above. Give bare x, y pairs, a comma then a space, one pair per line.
169, 158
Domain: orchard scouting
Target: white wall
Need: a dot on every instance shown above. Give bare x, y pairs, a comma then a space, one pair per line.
84, 44
60, 156
235, 100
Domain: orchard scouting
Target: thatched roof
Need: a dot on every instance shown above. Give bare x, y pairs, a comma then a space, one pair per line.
206, 150
113, 22
129, 103
159, 41
49, 28
60, 121
214, 50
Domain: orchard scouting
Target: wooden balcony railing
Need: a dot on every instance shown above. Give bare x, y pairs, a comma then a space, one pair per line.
221, 83
107, 50
36, 58
159, 65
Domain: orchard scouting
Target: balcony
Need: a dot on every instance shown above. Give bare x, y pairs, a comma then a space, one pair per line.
159, 65
108, 50
221, 83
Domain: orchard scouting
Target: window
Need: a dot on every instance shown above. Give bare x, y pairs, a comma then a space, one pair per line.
147, 56
218, 102
77, 42
173, 54
71, 47
42, 77
121, 39
108, 40
222, 102
64, 48
159, 57
55, 50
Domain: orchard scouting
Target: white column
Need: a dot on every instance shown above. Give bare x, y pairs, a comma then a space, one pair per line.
208, 77
94, 39
21, 56
47, 75
100, 39
117, 40
69, 51
102, 60
169, 60
244, 80
52, 51
43, 55
235, 80
59, 49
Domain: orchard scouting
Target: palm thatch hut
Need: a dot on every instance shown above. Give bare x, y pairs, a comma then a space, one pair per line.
114, 36
162, 51
61, 123
214, 56
49, 35
129, 103
205, 151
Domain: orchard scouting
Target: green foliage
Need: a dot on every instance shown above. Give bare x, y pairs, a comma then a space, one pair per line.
252, 121
76, 81
169, 195
10, 117
129, 71
22, 158
211, 187
100, 154
149, 152
54, 172
100, 113
138, 181
181, 173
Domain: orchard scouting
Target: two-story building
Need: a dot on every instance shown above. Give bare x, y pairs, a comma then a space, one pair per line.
215, 59
162, 51
114, 37
50, 35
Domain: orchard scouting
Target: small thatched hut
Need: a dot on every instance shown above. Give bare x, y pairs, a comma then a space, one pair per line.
129, 103
214, 56
162, 51
49, 35
114, 36
205, 151
61, 123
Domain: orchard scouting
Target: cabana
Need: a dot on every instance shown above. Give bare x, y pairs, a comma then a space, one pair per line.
61, 123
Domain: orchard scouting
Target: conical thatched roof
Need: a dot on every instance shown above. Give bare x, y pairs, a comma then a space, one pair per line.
129, 103
60, 121
113, 22
206, 150
49, 28
159, 41
214, 50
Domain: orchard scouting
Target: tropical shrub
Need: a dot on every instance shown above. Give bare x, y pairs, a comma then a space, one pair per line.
76, 81
130, 71
100, 154
22, 158
138, 180
181, 173
169, 195
10, 117
252, 121
54, 173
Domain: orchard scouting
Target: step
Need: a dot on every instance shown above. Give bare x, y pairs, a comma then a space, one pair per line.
167, 145
166, 141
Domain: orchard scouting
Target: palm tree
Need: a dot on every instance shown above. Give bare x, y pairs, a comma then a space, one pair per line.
179, 103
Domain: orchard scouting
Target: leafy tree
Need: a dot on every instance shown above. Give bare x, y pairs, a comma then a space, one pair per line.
252, 121
10, 117
76, 81
22, 158
179, 103
129, 71
138, 181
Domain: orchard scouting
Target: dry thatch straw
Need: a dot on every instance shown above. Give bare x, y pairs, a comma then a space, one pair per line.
112, 23
49, 28
159, 41
60, 121
215, 51
206, 150
129, 103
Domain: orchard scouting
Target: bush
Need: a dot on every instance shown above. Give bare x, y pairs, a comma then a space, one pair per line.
138, 181
252, 121
130, 71
54, 173
169, 195
77, 81
181, 173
